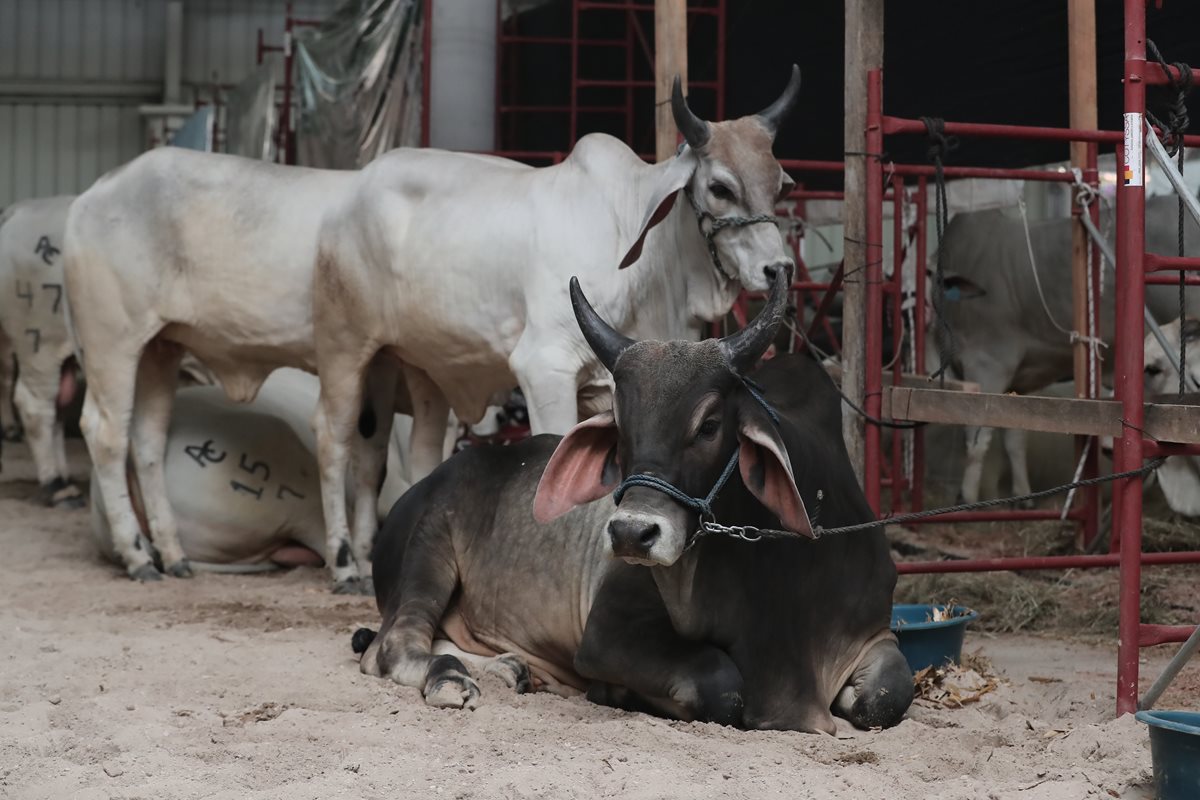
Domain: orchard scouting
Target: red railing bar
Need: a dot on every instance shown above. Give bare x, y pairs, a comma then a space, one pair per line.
994, 173
1039, 562
620, 83
1156, 263
1150, 635
1153, 449
598, 6
522, 109
1154, 75
816, 194
524, 38
895, 125
1167, 279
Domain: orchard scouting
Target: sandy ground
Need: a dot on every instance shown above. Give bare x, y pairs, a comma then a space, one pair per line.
245, 687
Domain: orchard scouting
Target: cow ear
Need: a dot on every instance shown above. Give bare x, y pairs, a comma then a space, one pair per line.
767, 472
960, 288
581, 469
662, 200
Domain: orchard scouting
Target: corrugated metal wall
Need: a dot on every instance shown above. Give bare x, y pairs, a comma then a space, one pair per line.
57, 136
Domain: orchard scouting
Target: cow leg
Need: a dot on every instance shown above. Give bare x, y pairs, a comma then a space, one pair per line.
507, 666
636, 660
430, 415
107, 408
550, 384
1015, 440
34, 398
879, 691
10, 424
158, 375
403, 650
370, 460
338, 410
978, 441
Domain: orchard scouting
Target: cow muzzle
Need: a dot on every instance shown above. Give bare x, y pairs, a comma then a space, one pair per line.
646, 530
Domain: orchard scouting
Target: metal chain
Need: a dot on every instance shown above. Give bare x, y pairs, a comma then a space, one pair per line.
750, 533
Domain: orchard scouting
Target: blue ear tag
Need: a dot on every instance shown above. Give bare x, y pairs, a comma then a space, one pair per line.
953, 294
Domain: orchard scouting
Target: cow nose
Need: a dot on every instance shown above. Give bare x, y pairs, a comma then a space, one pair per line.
770, 269
632, 537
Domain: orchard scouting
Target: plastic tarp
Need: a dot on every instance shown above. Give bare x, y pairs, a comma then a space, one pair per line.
250, 116
196, 133
359, 83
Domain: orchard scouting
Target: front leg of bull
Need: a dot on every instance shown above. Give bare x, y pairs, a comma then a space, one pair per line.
157, 377
549, 379
879, 691
370, 459
333, 423
636, 660
430, 414
1015, 440
978, 441
35, 398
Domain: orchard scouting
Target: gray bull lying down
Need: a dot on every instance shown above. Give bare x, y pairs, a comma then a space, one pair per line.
773, 634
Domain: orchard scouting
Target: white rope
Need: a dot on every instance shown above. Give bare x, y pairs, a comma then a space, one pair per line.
1037, 281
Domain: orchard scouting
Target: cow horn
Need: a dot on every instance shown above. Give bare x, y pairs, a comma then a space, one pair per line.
605, 342
695, 130
772, 116
743, 349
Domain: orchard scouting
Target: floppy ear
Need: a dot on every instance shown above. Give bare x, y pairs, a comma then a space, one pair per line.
767, 472
580, 469
663, 195
960, 288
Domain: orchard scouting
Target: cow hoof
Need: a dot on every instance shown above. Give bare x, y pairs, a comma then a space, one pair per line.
513, 671
349, 586
181, 569
453, 691
367, 586
72, 502
146, 573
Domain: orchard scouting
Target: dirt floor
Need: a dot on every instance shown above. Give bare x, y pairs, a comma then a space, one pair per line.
245, 687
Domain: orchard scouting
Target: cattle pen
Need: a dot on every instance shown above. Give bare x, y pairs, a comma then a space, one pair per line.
434, 163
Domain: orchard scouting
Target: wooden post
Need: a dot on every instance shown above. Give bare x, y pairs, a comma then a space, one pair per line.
1081, 32
670, 59
1081, 46
863, 52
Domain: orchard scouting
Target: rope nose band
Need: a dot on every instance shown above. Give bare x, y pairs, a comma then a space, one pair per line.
718, 224
701, 505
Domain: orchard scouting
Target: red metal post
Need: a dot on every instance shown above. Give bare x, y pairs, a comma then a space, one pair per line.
427, 77
899, 481
918, 340
1045, 562
1130, 297
1091, 466
873, 273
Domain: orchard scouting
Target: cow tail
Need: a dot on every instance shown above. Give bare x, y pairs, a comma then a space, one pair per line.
361, 640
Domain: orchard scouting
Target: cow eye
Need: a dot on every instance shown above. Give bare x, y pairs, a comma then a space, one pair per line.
1153, 370
721, 191
708, 429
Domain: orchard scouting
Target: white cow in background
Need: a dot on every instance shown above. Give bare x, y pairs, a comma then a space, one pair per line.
34, 332
455, 265
1179, 476
242, 479
1006, 340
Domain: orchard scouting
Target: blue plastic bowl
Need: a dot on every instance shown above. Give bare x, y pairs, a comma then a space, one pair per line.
1175, 750
929, 644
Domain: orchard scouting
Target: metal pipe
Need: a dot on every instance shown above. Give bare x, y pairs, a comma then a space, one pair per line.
1152, 449
1130, 301
1151, 635
1172, 172
895, 125
899, 479
1044, 562
873, 355
1157, 263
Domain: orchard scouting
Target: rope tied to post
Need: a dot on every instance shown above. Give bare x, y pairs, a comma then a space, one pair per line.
940, 145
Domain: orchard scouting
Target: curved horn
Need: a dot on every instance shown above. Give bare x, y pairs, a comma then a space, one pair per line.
743, 349
605, 342
772, 116
695, 130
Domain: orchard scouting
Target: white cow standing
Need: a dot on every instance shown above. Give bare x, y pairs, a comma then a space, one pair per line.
1005, 339
1179, 476
242, 479
456, 264
34, 332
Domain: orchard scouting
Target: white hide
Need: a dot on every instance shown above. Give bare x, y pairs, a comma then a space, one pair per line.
1179, 476
33, 324
242, 479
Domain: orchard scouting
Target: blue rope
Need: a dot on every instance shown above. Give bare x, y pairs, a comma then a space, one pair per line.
703, 506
